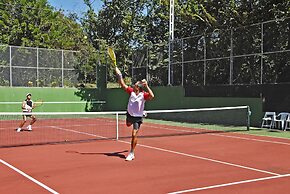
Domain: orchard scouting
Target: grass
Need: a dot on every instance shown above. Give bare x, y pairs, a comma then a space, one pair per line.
268, 132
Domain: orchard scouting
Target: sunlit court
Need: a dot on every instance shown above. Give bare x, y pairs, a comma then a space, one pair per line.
85, 152
146, 97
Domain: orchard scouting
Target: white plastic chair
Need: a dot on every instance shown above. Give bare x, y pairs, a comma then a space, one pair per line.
287, 123
268, 120
280, 120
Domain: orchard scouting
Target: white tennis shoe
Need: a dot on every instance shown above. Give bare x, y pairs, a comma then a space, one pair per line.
18, 129
130, 157
29, 128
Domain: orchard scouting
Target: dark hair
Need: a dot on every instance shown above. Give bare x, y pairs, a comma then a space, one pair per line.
141, 87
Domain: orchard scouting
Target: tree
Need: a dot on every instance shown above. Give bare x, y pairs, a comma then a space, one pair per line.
34, 23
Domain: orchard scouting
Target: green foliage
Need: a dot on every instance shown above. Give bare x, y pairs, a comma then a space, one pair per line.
34, 23
133, 24
127, 25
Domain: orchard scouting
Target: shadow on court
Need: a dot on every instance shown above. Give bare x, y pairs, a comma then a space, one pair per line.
110, 154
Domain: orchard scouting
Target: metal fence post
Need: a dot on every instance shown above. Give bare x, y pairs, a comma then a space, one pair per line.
37, 67
171, 37
231, 58
96, 70
62, 59
262, 52
204, 60
182, 62
169, 63
10, 63
147, 64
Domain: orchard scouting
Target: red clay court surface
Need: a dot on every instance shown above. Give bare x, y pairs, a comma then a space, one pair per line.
211, 163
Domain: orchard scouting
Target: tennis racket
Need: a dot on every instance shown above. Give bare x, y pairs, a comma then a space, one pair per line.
38, 103
112, 56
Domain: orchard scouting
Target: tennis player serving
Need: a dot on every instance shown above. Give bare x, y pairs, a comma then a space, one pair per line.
135, 108
27, 106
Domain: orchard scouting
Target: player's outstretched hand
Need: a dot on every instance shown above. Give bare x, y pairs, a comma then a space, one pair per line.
144, 82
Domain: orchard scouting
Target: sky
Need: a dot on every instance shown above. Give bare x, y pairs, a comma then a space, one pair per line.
76, 6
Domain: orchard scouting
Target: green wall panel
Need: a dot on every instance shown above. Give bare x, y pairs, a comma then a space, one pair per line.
173, 98
116, 100
47, 94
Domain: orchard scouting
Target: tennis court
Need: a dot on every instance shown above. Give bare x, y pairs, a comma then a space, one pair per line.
88, 156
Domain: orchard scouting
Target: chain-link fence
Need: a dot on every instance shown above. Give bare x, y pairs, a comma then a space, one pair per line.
36, 67
151, 63
255, 54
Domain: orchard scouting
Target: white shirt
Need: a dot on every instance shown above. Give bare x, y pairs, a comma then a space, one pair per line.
136, 102
28, 106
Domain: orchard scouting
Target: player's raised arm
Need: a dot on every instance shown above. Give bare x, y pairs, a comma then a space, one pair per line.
120, 79
145, 84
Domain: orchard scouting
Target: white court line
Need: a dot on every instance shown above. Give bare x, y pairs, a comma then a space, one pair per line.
29, 177
150, 147
244, 138
229, 184
204, 158
179, 153
253, 139
79, 132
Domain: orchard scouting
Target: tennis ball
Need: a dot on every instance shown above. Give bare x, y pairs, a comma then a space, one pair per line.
85, 37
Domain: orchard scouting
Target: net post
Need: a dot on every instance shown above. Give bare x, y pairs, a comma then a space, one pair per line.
248, 117
117, 126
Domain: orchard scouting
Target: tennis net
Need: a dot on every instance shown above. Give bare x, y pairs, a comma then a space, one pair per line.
67, 106
64, 127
